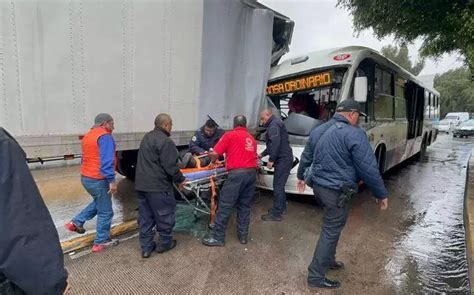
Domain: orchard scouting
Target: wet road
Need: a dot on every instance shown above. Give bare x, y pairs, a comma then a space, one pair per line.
64, 195
429, 252
417, 246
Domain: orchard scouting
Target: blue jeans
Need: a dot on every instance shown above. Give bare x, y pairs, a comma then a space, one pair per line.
100, 206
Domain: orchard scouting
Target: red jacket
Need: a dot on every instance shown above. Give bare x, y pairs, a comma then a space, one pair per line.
240, 148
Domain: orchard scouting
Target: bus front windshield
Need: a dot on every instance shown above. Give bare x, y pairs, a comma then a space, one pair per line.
318, 103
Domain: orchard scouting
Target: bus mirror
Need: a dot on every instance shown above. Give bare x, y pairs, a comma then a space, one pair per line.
360, 89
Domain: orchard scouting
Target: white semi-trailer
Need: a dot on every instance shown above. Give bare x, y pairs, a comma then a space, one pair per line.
62, 62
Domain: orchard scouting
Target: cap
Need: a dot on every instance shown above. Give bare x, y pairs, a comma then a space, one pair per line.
350, 105
102, 118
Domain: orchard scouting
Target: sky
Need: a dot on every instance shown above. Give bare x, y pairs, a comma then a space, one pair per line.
319, 24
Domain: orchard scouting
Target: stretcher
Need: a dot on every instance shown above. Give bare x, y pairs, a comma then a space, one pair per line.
200, 181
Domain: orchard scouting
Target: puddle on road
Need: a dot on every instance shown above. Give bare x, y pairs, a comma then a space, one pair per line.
430, 255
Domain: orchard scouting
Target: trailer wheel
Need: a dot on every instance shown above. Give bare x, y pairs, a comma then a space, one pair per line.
126, 163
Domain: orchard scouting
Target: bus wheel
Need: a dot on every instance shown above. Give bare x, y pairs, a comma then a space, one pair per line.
422, 152
126, 163
380, 155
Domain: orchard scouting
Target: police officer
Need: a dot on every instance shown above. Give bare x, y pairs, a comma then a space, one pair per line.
280, 156
340, 155
205, 138
156, 172
240, 149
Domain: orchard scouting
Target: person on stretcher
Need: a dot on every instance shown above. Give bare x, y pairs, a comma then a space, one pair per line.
201, 144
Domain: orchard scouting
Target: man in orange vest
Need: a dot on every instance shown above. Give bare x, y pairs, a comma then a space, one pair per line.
98, 178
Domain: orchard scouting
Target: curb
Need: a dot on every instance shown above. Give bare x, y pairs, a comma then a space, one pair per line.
469, 220
88, 239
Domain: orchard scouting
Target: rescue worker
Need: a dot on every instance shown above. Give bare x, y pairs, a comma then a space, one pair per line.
31, 258
240, 149
157, 170
280, 157
340, 155
201, 144
98, 178
205, 138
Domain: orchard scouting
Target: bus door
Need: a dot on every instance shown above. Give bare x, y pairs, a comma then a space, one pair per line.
420, 107
415, 105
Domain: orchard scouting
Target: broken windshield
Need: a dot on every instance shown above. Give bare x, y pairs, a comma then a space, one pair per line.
314, 95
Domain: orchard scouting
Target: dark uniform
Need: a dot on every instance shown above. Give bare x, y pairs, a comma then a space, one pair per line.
201, 143
156, 172
340, 155
240, 149
280, 153
31, 258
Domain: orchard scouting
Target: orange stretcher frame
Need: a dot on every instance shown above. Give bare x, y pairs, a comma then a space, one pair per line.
212, 185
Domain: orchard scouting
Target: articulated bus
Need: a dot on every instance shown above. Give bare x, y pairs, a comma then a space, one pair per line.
304, 91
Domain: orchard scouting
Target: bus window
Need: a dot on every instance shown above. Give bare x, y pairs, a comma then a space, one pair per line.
430, 105
383, 99
400, 108
427, 104
400, 88
400, 101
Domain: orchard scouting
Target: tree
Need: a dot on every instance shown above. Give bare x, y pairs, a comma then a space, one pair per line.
400, 57
445, 26
456, 91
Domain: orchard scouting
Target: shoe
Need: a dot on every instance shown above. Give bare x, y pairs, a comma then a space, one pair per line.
104, 245
243, 240
147, 254
337, 265
270, 217
326, 283
211, 242
162, 249
70, 226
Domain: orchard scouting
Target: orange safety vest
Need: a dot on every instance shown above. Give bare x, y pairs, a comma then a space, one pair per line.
90, 166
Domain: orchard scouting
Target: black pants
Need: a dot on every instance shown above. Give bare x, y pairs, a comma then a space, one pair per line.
8, 288
282, 171
238, 190
156, 210
334, 219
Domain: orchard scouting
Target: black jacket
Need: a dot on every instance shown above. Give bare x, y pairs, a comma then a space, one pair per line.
277, 141
30, 253
157, 161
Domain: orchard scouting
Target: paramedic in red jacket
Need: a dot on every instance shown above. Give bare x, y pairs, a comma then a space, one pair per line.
98, 178
240, 150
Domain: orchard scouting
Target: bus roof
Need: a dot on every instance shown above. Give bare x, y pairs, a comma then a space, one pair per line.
335, 57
